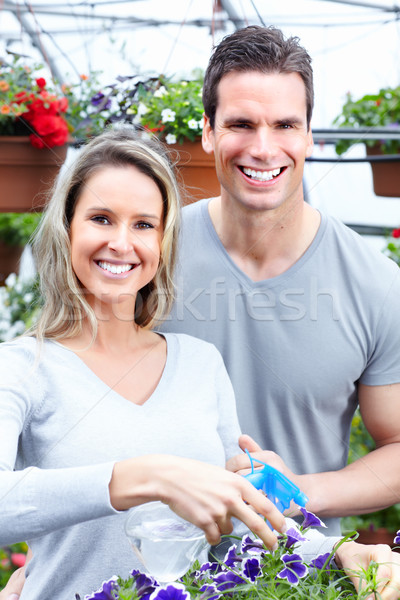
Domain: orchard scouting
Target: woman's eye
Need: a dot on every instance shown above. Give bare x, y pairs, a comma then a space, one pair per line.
144, 225
100, 219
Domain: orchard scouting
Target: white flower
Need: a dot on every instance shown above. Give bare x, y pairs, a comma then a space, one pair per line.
28, 297
160, 92
142, 109
193, 124
11, 280
170, 138
168, 115
201, 123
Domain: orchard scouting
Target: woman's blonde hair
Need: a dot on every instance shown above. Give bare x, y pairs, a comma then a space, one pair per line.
64, 304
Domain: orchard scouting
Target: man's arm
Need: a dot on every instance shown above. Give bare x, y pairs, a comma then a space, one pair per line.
368, 484
372, 482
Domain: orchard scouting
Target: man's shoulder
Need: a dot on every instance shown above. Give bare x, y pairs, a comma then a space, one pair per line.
194, 208
355, 251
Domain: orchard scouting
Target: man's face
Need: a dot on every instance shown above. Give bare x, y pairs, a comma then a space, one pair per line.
260, 138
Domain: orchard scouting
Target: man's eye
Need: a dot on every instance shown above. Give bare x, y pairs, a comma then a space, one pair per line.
100, 219
241, 126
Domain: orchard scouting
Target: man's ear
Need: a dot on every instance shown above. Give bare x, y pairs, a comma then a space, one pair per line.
208, 136
310, 143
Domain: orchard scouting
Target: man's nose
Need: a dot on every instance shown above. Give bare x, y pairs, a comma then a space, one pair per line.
263, 143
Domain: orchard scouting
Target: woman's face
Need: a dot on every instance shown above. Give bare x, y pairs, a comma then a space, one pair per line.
116, 234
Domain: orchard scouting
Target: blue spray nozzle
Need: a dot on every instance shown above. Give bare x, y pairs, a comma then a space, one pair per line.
279, 489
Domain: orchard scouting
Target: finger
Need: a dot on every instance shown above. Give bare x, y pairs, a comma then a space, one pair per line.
212, 533
389, 575
246, 442
257, 525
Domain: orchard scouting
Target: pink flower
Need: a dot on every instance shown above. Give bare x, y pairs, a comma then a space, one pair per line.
18, 559
396, 233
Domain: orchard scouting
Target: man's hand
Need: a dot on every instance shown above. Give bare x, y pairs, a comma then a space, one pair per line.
353, 558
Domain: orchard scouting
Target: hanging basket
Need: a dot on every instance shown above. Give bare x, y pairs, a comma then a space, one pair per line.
196, 170
26, 173
386, 175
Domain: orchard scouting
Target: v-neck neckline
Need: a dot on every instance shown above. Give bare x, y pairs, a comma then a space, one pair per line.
155, 393
240, 275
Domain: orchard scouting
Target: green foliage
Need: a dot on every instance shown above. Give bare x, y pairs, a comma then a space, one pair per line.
16, 229
372, 110
7, 561
392, 249
171, 110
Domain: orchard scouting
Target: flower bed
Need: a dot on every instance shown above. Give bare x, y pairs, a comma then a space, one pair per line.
250, 571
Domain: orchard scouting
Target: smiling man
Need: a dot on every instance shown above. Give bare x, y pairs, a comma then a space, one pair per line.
305, 314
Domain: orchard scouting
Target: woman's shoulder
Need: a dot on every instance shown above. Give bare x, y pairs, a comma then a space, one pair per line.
190, 345
23, 345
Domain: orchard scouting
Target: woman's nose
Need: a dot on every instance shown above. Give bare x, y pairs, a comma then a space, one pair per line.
121, 240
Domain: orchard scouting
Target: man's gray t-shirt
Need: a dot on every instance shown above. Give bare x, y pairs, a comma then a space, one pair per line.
296, 345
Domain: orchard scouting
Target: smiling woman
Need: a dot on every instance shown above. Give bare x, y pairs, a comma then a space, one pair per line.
81, 393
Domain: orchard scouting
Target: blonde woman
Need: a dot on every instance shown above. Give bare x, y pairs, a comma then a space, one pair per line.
98, 413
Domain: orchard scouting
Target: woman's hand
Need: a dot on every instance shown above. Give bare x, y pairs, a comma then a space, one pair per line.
14, 586
16, 582
206, 495
353, 557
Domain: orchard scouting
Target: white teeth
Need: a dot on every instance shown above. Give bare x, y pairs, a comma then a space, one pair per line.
261, 175
116, 269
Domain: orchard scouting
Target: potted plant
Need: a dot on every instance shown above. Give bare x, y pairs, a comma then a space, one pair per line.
173, 111
375, 110
33, 134
247, 572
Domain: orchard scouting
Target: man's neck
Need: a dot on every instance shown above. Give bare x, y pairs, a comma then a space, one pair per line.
264, 244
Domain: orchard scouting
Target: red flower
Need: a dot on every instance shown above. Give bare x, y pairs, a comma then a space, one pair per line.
18, 559
396, 233
41, 82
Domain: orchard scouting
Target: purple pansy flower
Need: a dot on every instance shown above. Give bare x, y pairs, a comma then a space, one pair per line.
294, 569
320, 561
227, 580
231, 558
145, 584
293, 536
170, 591
252, 568
210, 592
397, 538
101, 100
310, 520
252, 546
106, 591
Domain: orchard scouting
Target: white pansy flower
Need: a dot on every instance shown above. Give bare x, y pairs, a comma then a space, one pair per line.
170, 138
168, 115
142, 109
193, 124
160, 92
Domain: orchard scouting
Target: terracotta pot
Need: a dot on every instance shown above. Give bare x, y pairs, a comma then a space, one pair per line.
9, 260
376, 536
26, 173
197, 171
386, 175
